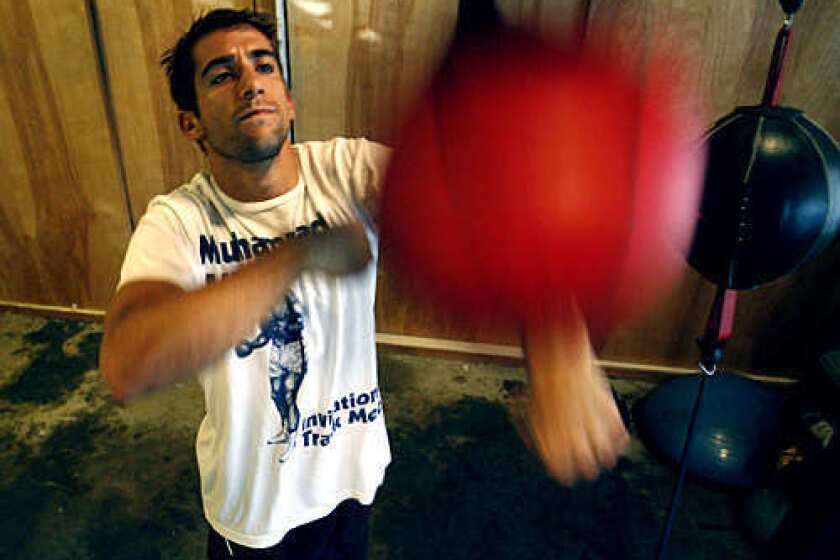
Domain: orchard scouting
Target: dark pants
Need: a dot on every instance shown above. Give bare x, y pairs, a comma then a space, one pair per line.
342, 535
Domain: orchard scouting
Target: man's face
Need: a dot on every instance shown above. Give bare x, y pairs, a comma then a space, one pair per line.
244, 108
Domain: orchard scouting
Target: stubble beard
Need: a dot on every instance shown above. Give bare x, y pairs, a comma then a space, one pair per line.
251, 150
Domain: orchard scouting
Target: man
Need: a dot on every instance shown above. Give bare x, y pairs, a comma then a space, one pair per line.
293, 445
293, 435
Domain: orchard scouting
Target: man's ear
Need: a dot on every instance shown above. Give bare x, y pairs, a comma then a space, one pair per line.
291, 103
190, 126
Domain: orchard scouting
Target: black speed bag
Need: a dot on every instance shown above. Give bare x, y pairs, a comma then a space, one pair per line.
771, 196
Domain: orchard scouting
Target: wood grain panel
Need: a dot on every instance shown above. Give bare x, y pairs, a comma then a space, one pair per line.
357, 64
266, 6
563, 21
320, 35
62, 223
812, 74
135, 33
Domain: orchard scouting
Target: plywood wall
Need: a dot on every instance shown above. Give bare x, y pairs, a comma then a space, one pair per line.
357, 64
62, 219
134, 35
88, 134
87, 137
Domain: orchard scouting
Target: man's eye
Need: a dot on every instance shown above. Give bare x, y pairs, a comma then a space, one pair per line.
265, 68
219, 78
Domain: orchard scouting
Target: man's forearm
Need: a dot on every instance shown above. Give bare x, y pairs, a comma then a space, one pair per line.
575, 426
559, 356
153, 344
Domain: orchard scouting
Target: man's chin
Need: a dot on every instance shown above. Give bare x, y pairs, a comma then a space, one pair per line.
260, 155
256, 152
250, 150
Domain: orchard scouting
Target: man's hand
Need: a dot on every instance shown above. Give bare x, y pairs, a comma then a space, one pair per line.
341, 250
573, 422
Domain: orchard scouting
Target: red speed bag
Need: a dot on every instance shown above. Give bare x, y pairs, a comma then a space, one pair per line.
528, 172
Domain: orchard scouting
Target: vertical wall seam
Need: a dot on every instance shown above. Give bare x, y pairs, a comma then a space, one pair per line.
110, 112
282, 15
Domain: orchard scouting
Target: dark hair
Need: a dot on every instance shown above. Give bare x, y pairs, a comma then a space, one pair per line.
178, 61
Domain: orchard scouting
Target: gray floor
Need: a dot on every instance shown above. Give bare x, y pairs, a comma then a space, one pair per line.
81, 477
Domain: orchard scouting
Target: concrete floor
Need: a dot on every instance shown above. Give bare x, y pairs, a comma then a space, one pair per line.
81, 477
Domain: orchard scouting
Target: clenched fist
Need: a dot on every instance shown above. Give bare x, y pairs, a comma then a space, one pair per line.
573, 422
340, 250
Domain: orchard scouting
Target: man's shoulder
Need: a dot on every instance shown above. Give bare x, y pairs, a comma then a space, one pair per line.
196, 187
331, 142
185, 197
341, 147
185, 202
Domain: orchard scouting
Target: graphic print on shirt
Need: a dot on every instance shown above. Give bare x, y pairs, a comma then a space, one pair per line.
286, 366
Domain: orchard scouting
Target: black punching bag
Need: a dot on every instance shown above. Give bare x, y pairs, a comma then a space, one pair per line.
771, 199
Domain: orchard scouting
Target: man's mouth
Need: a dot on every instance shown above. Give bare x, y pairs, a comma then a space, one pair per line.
256, 111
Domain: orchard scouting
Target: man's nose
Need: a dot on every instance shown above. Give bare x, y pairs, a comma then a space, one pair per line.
251, 84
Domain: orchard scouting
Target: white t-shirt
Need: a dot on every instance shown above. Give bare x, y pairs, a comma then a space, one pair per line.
293, 422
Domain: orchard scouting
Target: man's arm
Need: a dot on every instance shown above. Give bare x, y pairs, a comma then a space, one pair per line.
367, 168
574, 424
156, 333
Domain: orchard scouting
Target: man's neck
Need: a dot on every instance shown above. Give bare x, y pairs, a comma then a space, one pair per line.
255, 182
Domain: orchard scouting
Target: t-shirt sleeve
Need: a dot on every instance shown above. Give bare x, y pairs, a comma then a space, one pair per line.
370, 165
159, 250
